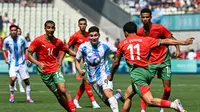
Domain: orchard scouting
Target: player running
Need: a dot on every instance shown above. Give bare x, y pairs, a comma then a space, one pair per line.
16, 46
75, 41
135, 50
95, 57
47, 47
160, 59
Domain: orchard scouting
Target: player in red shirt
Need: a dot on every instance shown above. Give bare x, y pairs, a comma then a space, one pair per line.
76, 40
47, 48
135, 50
160, 59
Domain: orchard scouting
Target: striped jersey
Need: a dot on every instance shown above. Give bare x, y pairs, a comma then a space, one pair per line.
16, 50
86, 50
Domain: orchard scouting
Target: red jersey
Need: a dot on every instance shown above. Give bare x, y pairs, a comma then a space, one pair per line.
135, 49
47, 52
158, 54
77, 39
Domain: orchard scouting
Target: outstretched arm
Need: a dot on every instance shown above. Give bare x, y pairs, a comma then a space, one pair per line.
178, 51
115, 65
188, 41
78, 67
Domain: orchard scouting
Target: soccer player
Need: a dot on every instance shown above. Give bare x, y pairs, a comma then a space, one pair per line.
95, 56
75, 41
160, 59
47, 47
135, 50
16, 46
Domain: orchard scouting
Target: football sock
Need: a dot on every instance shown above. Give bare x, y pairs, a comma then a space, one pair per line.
11, 90
71, 106
124, 111
80, 91
89, 92
28, 91
142, 105
166, 93
113, 104
15, 84
19, 82
165, 103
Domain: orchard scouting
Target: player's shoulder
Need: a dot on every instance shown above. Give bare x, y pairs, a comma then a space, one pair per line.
8, 38
21, 37
159, 26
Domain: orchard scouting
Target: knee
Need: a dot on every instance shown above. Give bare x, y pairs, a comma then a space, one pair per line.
167, 89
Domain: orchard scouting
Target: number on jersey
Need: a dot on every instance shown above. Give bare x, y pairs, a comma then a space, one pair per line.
131, 49
50, 51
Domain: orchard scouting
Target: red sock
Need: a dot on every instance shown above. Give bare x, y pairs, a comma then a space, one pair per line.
80, 91
71, 106
124, 110
142, 105
166, 93
165, 103
88, 90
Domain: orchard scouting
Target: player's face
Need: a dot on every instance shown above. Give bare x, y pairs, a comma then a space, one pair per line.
49, 29
94, 37
82, 25
19, 32
145, 18
13, 32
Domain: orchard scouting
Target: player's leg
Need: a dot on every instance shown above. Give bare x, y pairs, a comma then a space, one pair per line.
89, 92
13, 77
19, 80
129, 93
79, 93
15, 85
64, 96
24, 75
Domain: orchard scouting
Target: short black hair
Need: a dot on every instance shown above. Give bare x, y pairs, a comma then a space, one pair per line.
49, 22
130, 27
93, 29
145, 10
11, 26
82, 19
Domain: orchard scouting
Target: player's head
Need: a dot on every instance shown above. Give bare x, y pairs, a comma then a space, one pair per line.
82, 23
129, 28
49, 28
94, 35
145, 15
19, 31
13, 31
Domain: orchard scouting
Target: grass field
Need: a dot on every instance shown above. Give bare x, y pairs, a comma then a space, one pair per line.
184, 87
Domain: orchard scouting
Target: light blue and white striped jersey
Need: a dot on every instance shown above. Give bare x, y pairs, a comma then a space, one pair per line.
103, 50
16, 50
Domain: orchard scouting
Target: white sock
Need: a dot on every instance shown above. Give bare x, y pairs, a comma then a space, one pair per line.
161, 109
15, 83
173, 105
28, 91
20, 83
11, 90
142, 110
113, 104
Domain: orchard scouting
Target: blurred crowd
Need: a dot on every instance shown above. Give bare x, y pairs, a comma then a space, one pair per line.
192, 6
188, 55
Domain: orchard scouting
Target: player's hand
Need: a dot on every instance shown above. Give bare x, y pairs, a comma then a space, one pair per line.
6, 61
82, 72
109, 78
189, 40
41, 65
178, 53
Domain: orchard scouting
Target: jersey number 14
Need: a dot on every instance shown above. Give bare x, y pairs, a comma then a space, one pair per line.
131, 49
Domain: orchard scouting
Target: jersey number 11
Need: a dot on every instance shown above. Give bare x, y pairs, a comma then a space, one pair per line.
131, 49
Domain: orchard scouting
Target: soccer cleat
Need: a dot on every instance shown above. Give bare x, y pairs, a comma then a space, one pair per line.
161, 110
12, 99
29, 100
76, 104
79, 77
179, 106
121, 98
95, 105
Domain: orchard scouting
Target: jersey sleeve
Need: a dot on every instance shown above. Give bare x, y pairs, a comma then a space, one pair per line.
72, 40
34, 46
119, 52
112, 48
79, 53
166, 33
153, 42
63, 47
4, 45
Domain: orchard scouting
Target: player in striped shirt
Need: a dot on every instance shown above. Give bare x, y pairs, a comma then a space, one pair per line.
16, 46
95, 56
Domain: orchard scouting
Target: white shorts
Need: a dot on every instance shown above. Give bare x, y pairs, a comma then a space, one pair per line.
100, 85
21, 70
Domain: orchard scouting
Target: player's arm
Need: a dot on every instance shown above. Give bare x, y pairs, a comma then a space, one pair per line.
115, 65
188, 41
178, 51
78, 62
33, 60
5, 56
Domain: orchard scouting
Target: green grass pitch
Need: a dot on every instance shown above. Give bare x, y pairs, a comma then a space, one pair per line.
184, 87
